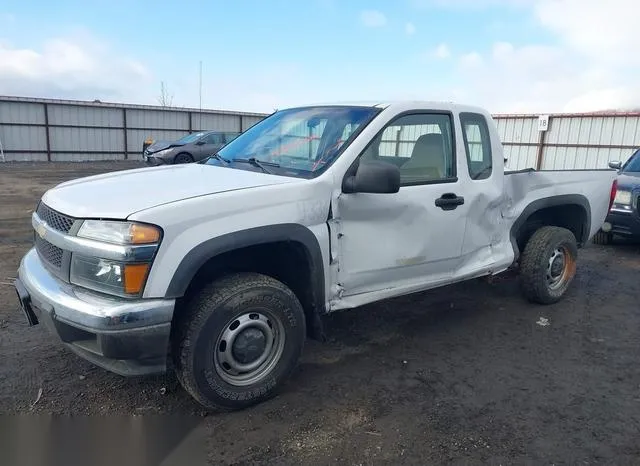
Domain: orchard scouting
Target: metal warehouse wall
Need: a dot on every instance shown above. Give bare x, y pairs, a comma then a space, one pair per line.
57, 130
570, 141
62, 130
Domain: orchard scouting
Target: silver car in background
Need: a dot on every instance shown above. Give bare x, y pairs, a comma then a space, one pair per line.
190, 148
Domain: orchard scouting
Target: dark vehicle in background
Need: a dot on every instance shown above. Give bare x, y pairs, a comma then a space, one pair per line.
190, 148
623, 218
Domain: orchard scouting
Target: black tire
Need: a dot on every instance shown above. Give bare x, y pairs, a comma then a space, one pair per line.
603, 238
207, 323
542, 279
183, 157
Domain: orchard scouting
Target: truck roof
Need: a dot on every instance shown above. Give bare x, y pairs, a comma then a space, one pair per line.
404, 105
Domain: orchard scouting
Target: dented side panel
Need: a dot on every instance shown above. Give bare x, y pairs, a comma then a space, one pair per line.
524, 188
392, 240
486, 245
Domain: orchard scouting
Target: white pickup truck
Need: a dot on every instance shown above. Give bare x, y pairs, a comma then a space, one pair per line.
220, 269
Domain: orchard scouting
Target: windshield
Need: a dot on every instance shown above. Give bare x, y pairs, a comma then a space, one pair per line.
298, 141
189, 138
633, 165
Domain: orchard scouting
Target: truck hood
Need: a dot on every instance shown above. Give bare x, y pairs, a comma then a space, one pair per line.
117, 195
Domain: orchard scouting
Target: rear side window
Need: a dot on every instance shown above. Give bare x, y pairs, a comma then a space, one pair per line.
477, 145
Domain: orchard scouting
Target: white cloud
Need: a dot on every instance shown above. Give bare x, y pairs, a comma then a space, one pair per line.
470, 60
541, 79
604, 31
373, 18
442, 51
585, 60
409, 29
80, 66
592, 64
71, 67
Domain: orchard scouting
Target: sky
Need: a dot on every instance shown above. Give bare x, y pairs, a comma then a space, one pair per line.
509, 56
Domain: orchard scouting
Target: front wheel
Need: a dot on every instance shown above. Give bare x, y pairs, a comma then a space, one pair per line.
183, 158
548, 264
238, 341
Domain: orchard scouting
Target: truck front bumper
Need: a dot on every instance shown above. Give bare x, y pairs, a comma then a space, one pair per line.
624, 223
128, 337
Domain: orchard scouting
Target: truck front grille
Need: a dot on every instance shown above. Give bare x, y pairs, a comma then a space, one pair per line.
54, 219
49, 253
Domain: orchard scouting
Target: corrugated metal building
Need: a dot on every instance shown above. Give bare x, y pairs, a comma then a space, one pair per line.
64, 130
568, 141
47, 129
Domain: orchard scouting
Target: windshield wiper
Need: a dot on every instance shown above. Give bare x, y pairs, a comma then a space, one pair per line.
218, 157
259, 163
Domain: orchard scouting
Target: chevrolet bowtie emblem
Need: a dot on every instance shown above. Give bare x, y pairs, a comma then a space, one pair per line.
41, 230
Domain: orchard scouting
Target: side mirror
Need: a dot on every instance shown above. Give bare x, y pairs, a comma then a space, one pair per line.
200, 142
373, 177
615, 164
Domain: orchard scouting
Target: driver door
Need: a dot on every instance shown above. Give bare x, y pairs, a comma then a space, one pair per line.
412, 238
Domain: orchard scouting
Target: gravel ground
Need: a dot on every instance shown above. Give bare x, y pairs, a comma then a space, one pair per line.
464, 374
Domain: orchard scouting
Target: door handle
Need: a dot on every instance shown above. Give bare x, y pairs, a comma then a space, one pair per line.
449, 201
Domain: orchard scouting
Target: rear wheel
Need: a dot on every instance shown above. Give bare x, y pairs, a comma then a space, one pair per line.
238, 341
548, 264
183, 158
603, 238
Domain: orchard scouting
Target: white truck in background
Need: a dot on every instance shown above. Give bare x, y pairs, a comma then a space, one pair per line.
220, 269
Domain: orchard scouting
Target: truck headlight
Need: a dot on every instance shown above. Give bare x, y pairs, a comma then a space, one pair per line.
123, 274
119, 232
107, 276
622, 198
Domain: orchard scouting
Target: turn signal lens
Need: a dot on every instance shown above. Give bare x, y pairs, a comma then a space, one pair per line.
134, 277
106, 276
143, 234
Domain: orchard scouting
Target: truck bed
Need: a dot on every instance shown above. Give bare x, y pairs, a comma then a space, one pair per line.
524, 187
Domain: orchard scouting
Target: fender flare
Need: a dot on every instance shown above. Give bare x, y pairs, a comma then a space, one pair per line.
289, 232
553, 201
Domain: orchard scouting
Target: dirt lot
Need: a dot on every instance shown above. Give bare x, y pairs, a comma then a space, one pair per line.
464, 374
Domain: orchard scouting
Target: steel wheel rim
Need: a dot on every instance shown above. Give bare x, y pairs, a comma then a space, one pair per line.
249, 347
559, 268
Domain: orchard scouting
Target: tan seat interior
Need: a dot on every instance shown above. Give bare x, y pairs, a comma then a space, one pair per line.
427, 158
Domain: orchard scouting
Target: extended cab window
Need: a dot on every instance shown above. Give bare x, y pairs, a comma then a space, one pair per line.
477, 145
421, 145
